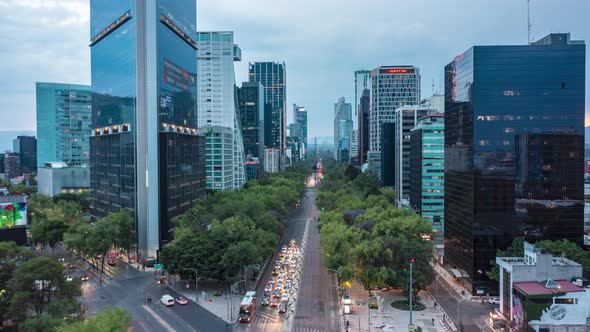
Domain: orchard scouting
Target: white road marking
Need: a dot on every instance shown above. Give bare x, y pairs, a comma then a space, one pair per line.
158, 318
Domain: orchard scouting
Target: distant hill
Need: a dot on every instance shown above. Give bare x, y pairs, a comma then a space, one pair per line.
6, 137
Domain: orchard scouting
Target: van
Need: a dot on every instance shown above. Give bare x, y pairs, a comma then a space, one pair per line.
167, 300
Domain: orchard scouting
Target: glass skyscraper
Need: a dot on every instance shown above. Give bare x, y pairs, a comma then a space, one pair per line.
514, 149
427, 169
273, 76
251, 96
145, 154
63, 123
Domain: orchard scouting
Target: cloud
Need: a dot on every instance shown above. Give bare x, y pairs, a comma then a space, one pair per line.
322, 42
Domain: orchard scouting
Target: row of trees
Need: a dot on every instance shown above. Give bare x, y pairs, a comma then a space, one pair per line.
365, 237
227, 231
35, 294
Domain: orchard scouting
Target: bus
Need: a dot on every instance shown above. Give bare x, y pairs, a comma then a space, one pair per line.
247, 307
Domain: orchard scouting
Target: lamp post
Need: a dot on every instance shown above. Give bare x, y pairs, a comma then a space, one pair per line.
411, 326
196, 282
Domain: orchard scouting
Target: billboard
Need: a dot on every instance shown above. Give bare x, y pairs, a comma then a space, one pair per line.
13, 214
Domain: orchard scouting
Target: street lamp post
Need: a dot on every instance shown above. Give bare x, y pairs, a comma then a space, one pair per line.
196, 282
410, 327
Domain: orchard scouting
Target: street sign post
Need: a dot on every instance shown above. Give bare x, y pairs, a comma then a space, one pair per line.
158, 267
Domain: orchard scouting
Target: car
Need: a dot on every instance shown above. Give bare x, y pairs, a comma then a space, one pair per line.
282, 307
271, 280
285, 297
268, 288
280, 280
167, 300
275, 271
290, 276
112, 262
281, 253
72, 266
275, 301
494, 300
181, 300
278, 286
298, 204
84, 277
69, 278
292, 269
266, 294
265, 301
276, 294
293, 243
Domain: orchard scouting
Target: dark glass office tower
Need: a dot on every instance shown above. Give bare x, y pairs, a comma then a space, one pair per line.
145, 154
388, 154
273, 76
251, 100
363, 120
26, 147
514, 145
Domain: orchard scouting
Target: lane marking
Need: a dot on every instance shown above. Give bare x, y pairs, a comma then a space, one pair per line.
158, 318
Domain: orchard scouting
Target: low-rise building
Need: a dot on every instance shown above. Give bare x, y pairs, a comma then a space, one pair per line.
55, 178
543, 293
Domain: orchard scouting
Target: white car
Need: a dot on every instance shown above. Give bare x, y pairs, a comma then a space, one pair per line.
167, 300
285, 297
494, 300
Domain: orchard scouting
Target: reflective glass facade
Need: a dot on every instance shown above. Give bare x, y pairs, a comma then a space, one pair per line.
514, 131
143, 62
387, 154
251, 100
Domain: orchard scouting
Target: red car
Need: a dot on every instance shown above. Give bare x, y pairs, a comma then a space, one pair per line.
112, 262
181, 300
275, 301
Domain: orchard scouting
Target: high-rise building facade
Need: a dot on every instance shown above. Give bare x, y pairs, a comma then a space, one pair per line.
300, 118
387, 154
26, 147
362, 82
427, 185
251, 97
514, 128
391, 88
11, 166
342, 127
406, 118
216, 97
354, 147
219, 158
145, 154
63, 123
363, 125
273, 76
272, 158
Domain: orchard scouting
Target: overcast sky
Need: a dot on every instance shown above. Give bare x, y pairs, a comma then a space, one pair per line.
322, 42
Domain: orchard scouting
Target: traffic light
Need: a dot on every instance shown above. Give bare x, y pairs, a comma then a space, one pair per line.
412, 260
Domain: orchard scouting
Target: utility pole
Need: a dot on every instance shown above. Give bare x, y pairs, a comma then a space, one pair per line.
196, 282
411, 326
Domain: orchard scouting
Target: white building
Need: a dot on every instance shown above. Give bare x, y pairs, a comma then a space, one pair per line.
219, 157
391, 88
216, 99
272, 160
354, 144
55, 178
543, 293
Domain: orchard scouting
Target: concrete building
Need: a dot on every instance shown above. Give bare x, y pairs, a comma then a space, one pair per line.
11, 166
64, 123
273, 76
272, 158
57, 178
391, 88
354, 147
26, 147
406, 118
216, 95
539, 292
145, 154
427, 166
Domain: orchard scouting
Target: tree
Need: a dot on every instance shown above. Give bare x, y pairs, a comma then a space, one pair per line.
101, 239
125, 236
48, 231
37, 283
11, 256
108, 320
42, 323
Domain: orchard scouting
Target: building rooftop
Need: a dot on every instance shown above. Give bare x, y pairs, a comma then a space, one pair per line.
538, 288
555, 261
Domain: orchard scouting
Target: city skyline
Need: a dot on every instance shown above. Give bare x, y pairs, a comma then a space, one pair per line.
62, 29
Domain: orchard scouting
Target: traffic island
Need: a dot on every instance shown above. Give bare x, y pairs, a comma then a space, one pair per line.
405, 305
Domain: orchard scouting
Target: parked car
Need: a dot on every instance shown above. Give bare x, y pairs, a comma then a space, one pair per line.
167, 300
494, 300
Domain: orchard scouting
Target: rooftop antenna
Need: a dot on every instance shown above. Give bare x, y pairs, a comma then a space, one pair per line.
528, 9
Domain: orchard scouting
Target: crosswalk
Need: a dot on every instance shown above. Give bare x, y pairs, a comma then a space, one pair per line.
308, 329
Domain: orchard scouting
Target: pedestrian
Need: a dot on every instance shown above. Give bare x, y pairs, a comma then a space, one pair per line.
433, 322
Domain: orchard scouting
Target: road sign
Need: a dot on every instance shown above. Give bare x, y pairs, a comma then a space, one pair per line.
158, 267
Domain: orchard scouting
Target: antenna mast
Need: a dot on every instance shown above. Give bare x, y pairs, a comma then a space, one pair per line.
528, 21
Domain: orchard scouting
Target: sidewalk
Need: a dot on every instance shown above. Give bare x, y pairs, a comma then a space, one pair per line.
453, 282
392, 320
